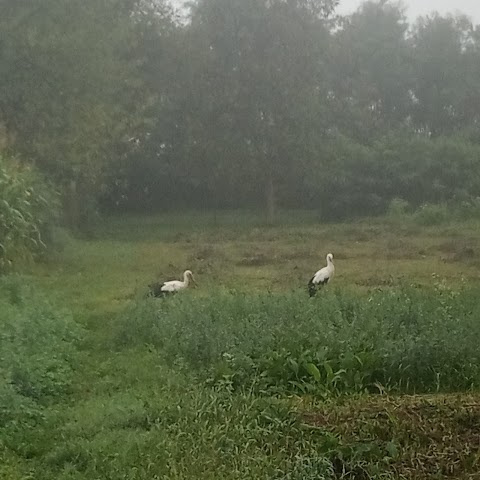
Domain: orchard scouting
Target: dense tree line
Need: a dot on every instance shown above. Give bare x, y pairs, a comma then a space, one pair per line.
260, 103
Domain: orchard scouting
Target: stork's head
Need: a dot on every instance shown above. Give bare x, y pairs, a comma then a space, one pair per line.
330, 258
188, 276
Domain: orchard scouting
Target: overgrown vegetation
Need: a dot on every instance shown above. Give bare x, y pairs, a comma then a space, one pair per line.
38, 350
429, 214
215, 377
253, 379
364, 180
408, 340
28, 210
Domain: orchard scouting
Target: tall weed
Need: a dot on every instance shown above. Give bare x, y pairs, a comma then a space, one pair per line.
144, 434
28, 208
407, 339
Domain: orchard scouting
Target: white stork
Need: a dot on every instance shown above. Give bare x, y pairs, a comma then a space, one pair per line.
322, 277
173, 286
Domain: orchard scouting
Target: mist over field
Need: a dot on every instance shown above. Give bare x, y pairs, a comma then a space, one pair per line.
415, 8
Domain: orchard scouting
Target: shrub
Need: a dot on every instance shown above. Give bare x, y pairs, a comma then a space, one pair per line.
36, 342
37, 354
467, 209
28, 208
397, 208
428, 215
410, 339
357, 180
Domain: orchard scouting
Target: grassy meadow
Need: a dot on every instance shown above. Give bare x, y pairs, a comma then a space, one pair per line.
245, 376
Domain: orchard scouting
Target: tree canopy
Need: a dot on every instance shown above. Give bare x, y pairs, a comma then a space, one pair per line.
130, 104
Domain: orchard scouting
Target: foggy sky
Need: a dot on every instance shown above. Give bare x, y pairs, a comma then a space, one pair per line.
422, 7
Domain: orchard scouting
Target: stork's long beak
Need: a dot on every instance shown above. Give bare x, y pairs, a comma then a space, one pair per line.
193, 281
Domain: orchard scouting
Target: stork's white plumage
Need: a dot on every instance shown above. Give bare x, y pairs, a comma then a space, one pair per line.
172, 286
322, 277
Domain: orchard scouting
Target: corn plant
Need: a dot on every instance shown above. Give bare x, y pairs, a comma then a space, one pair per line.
27, 206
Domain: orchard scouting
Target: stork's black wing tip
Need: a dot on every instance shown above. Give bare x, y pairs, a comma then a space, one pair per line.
156, 290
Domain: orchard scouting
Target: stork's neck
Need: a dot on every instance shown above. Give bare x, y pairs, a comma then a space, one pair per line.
186, 279
329, 262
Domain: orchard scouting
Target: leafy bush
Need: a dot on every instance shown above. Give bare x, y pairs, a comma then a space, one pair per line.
359, 180
432, 215
37, 354
397, 208
412, 340
468, 209
28, 207
423, 170
36, 342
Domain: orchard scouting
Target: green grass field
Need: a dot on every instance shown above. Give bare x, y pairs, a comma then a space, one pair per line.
246, 376
237, 252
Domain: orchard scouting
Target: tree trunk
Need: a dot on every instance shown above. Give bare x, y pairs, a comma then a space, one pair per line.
270, 199
71, 206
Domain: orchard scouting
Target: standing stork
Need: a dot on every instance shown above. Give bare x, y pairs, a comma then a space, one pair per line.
173, 286
322, 277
